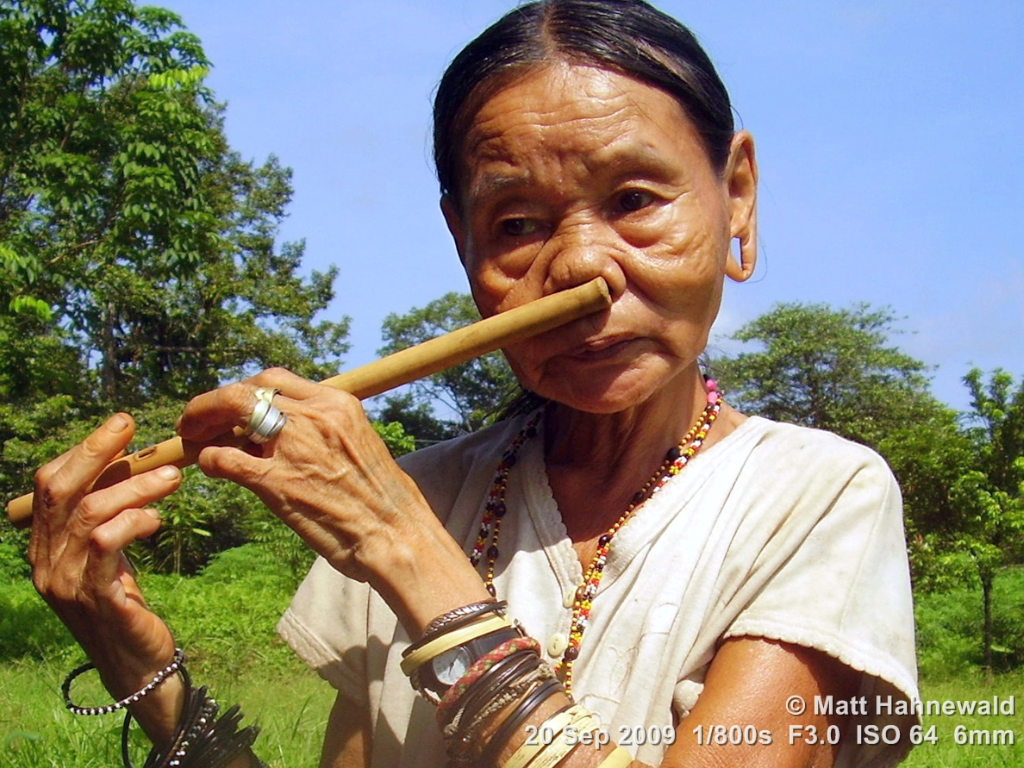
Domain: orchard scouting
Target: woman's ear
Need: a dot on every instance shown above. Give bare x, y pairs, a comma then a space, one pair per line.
741, 181
453, 218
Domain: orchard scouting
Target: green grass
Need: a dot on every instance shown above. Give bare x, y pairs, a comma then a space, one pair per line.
945, 752
290, 706
224, 619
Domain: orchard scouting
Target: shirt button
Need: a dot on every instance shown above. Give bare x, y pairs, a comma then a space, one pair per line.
557, 645
569, 599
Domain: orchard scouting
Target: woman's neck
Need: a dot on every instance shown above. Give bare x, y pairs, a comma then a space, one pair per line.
597, 462
606, 441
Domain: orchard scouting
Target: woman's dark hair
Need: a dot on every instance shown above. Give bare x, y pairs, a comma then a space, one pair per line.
626, 36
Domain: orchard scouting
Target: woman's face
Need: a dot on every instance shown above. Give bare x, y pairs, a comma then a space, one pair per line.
574, 172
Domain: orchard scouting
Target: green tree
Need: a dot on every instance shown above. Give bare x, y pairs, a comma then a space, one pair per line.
928, 457
990, 497
139, 262
828, 368
129, 232
473, 392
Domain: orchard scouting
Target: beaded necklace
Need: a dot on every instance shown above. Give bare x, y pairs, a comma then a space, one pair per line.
495, 509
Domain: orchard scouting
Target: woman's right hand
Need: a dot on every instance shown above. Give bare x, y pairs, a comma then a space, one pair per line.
80, 570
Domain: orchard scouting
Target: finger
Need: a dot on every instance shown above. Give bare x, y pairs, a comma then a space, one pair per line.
233, 464
101, 506
214, 413
73, 472
287, 383
107, 541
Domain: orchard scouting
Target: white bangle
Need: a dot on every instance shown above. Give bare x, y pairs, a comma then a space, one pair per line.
620, 758
552, 727
453, 639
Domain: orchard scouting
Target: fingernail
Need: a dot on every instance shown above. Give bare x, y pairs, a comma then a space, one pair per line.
117, 423
168, 473
152, 513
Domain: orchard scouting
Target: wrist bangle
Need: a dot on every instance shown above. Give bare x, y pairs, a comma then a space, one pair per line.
526, 707
452, 639
553, 753
554, 726
176, 664
456, 618
620, 758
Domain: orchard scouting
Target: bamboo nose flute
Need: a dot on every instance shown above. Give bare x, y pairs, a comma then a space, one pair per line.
380, 376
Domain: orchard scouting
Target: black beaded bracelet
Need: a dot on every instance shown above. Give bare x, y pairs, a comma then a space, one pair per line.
176, 665
201, 740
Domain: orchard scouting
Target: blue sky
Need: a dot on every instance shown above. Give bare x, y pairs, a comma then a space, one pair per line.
888, 136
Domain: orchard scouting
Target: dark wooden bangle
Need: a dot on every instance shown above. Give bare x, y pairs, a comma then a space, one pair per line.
497, 677
519, 715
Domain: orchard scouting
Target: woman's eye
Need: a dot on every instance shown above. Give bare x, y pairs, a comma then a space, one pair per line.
634, 200
518, 227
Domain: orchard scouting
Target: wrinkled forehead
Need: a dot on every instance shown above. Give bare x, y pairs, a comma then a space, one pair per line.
566, 113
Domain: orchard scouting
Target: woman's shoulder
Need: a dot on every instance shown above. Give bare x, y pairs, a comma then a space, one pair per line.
782, 458
783, 442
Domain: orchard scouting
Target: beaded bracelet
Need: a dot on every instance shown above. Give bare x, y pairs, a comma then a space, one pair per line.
201, 740
176, 664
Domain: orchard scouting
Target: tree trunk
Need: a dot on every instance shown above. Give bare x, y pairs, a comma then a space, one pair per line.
108, 354
986, 597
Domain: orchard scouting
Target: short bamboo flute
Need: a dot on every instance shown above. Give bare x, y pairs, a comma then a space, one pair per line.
381, 375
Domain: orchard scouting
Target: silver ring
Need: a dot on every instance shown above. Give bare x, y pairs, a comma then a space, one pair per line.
266, 420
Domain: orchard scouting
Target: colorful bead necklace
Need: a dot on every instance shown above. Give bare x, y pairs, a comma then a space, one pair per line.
494, 511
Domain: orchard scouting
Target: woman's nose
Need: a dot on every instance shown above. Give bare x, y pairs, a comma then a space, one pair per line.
579, 254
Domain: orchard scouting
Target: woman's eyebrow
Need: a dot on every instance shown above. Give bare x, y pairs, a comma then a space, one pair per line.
489, 184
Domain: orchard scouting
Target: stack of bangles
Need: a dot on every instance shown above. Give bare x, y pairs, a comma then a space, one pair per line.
201, 740
486, 675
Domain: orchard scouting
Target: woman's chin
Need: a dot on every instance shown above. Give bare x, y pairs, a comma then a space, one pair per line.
604, 392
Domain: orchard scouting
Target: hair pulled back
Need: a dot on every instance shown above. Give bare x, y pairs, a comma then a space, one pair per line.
625, 36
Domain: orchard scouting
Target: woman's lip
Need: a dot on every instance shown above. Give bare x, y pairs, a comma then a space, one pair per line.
600, 348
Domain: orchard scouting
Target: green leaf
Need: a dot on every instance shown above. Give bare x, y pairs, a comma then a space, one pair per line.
26, 305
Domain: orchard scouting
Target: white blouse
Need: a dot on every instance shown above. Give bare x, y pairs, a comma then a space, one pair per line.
776, 531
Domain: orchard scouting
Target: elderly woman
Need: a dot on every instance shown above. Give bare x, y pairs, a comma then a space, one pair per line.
681, 577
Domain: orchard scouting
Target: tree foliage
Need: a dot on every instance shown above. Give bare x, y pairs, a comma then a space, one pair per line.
134, 241
988, 497
139, 262
472, 392
828, 368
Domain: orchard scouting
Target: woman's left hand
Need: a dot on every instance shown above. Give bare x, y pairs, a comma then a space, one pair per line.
329, 476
